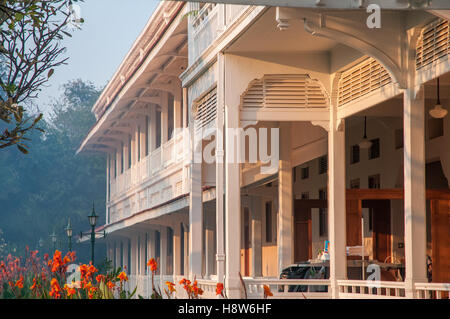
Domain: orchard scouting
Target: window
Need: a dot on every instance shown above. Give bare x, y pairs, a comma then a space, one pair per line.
323, 214
398, 139
323, 164
435, 127
268, 222
354, 154
354, 183
374, 151
305, 195
305, 172
294, 174
370, 219
158, 129
374, 181
170, 111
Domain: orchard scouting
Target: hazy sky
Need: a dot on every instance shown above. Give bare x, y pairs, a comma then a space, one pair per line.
96, 51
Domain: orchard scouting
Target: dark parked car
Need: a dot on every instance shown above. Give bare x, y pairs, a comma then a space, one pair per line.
306, 270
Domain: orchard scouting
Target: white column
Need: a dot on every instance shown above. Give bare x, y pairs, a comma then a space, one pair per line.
164, 118
163, 250
415, 189
232, 205
220, 250
185, 107
176, 249
285, 200
336, 202
195, 208
177, 108
152, 128
210, 243
186, 251
256, 211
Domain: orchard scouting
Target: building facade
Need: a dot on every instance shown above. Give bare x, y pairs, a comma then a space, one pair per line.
241, 140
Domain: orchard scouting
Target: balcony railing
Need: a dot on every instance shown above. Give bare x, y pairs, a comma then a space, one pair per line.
209, 22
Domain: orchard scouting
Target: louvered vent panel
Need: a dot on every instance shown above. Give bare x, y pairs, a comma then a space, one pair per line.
206, 110
275, 91
362, 79
434, 43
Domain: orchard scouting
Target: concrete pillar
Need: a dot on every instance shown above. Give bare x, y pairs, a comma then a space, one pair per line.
256, 211
285, 200
210, 244
164, 117
415, 189
195, 204
152, 128
186, 250
185, 107
177, 249
336, 201
232, 204
220, 250
178, 113
163, 250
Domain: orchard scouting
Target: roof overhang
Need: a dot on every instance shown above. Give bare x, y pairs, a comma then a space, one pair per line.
159, 53
343, 4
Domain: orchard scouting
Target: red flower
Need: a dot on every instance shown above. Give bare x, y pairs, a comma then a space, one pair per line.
219, 289
152, 264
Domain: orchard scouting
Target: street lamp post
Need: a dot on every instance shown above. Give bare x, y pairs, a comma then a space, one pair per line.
93, 222
69, 234
53, 237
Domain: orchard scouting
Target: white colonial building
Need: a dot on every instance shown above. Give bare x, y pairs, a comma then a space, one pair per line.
361, 168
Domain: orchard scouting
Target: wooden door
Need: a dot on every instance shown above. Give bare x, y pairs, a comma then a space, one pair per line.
303, 227
381, 232
440, 240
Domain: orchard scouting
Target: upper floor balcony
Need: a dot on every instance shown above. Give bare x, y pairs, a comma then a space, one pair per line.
207, 21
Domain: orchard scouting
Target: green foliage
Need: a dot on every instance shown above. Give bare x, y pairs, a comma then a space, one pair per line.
41, 191
30, 50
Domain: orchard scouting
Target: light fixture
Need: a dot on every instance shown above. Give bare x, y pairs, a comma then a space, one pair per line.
365, 143
93, 217
438, 112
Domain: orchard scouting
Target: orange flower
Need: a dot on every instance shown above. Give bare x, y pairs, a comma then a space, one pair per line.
219, 289
92, 290
69, 290
171, 286
87, 285
152, 264
267, 292
55, 289
66, 260
19, 283
122, 276
34, 286
110, 285
100, 278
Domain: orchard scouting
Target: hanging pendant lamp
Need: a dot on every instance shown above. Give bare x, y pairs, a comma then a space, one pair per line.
438, 112
365, 143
